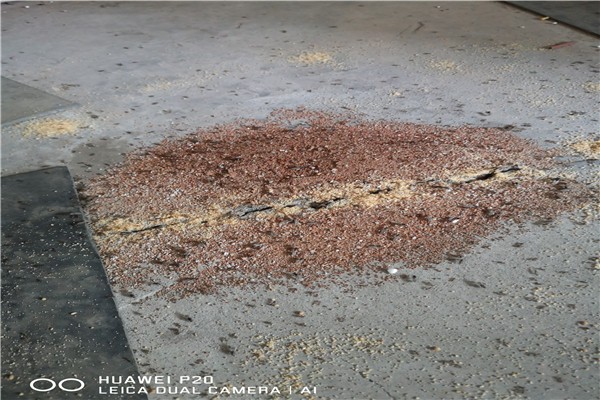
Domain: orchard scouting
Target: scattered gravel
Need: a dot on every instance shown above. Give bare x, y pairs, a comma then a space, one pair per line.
309, 196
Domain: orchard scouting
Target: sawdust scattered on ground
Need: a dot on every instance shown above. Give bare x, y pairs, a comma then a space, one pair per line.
444, 65
50, 127
164, 84
311, 58
587, 148
302, 358
591, 87
306, 197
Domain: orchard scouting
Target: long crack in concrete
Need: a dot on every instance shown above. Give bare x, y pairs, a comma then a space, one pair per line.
309, 196
343, 196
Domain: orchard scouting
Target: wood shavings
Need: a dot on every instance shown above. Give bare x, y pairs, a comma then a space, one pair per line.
306, 197
444, 65
163, 84
312, 57
297, 354
587, 148
591, 87
49, 127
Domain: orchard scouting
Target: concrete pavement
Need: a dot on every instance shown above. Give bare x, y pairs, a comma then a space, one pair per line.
516, 318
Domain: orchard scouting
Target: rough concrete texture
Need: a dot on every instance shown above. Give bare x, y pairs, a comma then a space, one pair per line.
517, 318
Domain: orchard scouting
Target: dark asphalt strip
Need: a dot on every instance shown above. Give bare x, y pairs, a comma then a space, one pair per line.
59, 319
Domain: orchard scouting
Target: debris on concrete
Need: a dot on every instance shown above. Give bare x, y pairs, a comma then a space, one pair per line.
255, 202
559, 45
49, 127
312, 57
588, 148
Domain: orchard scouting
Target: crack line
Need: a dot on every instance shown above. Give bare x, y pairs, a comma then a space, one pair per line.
348, 195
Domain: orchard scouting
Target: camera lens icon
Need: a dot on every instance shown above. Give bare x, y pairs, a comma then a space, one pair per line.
38, 386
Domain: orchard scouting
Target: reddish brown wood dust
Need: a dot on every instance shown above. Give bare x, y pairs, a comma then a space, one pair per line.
310, 196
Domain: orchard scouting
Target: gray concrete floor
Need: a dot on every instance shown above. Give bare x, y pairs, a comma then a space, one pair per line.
145, 71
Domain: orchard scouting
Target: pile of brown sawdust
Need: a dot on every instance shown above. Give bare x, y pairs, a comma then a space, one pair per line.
308, 196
